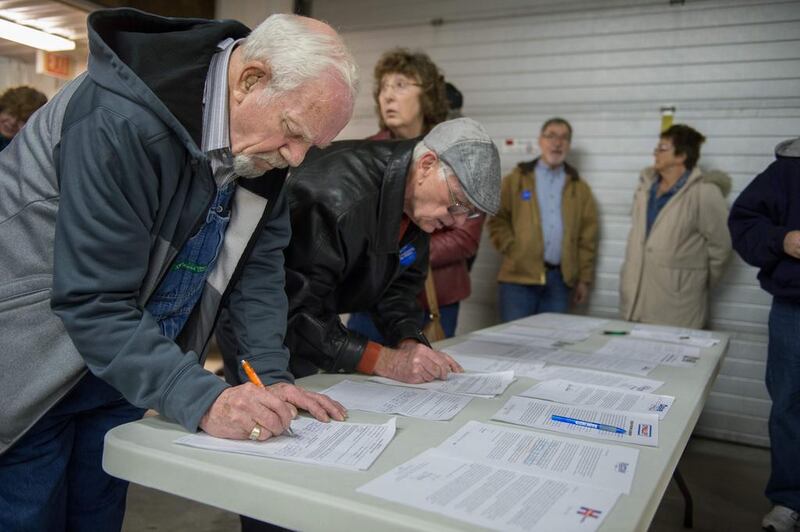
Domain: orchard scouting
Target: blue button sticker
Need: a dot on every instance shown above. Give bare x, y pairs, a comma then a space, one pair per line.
408, 254
526, 195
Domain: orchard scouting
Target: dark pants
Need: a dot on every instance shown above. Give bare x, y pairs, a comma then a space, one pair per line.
253, 525
515, 301
52, 479
783, 384
362, 322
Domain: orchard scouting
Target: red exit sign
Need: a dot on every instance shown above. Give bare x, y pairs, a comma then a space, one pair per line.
53, 64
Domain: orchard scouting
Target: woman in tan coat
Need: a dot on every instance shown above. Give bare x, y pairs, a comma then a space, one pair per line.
679, 242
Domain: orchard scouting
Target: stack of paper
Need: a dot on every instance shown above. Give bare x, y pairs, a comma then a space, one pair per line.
516, 339
492, 364
606, 362
478, 384
683, 356
492, 496
373, 397
338, 444
604, 397
487, 356
571, 322
677, 335
588, 376
482, 348
599, 465
484, 355
531, 331
636, 428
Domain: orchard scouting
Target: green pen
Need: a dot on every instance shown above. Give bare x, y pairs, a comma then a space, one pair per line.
615, 333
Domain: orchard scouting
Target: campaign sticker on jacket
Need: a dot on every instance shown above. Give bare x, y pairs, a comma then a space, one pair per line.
526, 195
408, 254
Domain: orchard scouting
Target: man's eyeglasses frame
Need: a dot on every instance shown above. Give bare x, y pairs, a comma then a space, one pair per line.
457, 208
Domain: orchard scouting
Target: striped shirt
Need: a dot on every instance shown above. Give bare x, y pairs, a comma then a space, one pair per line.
549, 189
181, 288
216, 140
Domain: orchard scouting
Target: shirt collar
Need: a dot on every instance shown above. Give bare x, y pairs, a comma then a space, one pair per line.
678, 184
216, 132
543, 169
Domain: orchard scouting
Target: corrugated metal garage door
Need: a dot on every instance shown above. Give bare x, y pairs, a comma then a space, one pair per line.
732, 69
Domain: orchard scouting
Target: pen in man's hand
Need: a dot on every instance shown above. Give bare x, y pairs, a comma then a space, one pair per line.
253, 377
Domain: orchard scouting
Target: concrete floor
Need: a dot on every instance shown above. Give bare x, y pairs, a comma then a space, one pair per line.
726, 481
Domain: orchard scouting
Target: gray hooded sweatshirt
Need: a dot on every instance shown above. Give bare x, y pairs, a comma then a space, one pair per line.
98, 193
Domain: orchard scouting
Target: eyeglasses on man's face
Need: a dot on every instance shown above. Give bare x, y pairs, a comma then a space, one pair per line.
399, 86
662, 148
554, 137
458, 208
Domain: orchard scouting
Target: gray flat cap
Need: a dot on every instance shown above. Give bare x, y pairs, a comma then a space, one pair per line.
466, 147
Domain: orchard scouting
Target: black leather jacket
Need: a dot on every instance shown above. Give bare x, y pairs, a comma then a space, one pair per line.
347, 204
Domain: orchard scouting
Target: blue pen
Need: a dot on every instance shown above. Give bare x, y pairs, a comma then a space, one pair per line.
588, 424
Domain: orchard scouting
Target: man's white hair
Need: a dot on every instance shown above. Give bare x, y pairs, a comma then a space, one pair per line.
296, 53
421, 149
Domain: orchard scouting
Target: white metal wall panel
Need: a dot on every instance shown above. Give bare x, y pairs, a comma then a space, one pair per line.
731, 68
14, 72
252, 13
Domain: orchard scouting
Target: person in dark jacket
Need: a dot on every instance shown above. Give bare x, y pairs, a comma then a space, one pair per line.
361, 215
145, 197
765, 230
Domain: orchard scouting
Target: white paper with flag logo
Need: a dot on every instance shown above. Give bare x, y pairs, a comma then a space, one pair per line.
600, 465
641, 429
493, 497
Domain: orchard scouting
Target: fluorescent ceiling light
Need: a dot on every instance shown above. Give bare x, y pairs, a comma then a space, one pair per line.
34, 38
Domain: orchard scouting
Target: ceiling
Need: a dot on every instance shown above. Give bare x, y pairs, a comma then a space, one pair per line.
67, 19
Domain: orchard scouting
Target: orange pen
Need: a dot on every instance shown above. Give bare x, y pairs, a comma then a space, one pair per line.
253, 377
251, 373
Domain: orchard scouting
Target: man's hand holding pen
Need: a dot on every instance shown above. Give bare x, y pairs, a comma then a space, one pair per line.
253, 411
248, 411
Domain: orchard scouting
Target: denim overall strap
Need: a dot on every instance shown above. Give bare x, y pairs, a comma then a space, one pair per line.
181, 288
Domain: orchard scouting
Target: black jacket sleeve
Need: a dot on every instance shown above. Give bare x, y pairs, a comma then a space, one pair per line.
757, 220
315, 332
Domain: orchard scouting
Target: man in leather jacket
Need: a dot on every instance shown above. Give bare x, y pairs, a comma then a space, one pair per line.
361, 212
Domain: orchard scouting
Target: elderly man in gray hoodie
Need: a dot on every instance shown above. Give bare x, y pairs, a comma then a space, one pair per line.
144, 198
